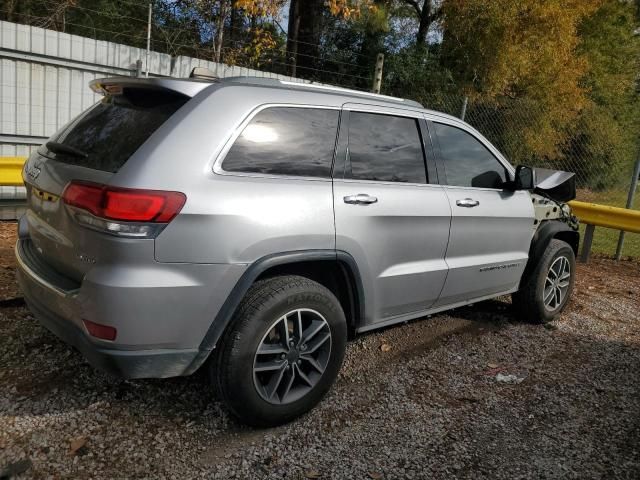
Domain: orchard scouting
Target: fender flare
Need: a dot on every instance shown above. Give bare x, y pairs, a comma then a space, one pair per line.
548, 230
225, 314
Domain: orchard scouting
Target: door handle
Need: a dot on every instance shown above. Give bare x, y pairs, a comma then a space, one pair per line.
360, 199
467, 202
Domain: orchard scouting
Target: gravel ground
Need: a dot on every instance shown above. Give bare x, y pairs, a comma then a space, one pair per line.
470, 394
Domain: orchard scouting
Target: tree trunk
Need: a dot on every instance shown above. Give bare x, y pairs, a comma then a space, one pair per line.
10, 9
292, 35
309, 33
222, 14
425, 23
233, 24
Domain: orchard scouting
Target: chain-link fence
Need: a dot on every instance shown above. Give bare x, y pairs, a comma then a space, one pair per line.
519, 129
602, 159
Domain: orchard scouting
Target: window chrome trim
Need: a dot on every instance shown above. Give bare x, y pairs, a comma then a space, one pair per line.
387, 182
475, 189
231, 139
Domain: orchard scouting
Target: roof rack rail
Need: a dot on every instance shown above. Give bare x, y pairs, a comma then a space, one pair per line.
319, 86
351, 92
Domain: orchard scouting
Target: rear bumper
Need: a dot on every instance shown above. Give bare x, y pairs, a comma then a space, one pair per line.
123, 363
161, 311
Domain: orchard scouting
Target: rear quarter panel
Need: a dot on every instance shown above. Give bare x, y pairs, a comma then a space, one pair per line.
229, 218
239, 219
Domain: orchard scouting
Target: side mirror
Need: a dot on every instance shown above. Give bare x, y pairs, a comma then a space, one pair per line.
525, 178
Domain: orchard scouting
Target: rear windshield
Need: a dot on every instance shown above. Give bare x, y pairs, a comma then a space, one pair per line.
113, 129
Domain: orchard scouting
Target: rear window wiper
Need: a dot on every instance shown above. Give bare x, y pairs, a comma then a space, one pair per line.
56, 147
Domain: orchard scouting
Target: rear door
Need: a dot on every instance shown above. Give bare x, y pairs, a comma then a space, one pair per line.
92, 147
491, 228
390, 215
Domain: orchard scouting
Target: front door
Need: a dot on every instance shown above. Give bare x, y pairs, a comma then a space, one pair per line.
491, 228
388, 217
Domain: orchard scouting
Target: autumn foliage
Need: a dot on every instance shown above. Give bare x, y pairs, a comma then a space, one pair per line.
551, 82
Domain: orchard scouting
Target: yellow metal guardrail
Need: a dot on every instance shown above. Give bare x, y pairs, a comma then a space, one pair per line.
593, 214
11, 170
12, 192
605, 216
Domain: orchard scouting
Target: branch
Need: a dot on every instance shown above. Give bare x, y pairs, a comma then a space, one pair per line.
436, 15
415, 5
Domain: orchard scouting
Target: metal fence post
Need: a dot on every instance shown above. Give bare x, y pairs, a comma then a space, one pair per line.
463, 113
377, 75
630, 197
586, 243
148, 40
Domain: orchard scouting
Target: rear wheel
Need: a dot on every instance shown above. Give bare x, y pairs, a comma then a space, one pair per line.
281, 352
544, 294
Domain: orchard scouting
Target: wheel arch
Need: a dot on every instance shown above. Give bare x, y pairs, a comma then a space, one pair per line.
544, 234
336, 270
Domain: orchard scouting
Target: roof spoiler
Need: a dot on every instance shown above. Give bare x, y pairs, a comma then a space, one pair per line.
114, 85
201, 73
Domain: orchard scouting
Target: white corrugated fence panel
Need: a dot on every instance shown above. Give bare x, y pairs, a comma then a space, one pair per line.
15, 150
44, 78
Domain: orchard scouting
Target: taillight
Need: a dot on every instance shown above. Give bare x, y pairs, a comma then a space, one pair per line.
145, 212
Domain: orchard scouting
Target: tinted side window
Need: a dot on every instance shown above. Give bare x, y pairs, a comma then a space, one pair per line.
467, 162
386, 148
286, 141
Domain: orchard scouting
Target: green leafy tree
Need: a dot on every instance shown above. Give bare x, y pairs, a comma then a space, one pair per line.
608, 129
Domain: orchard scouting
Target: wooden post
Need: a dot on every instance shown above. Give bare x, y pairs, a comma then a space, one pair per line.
377, 75
294, 53
586, 244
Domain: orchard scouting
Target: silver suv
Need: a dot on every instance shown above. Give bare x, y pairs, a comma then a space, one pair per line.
247, 225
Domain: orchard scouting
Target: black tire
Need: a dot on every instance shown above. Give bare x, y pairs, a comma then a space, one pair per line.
529, 301
233, 369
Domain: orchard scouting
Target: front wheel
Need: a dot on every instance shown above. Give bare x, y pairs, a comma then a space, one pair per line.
544, 294
281, 352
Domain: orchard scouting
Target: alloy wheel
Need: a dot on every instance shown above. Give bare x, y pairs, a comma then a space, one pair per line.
557, 283
292, 356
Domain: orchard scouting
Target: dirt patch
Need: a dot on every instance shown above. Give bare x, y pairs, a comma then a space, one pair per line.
8, 236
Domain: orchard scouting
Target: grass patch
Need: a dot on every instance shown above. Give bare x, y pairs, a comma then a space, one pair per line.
605, 240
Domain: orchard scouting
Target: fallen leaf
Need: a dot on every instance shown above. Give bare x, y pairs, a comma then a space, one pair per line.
492, 371
312, 474
375, 475
385, 347
76, 444
492, 365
